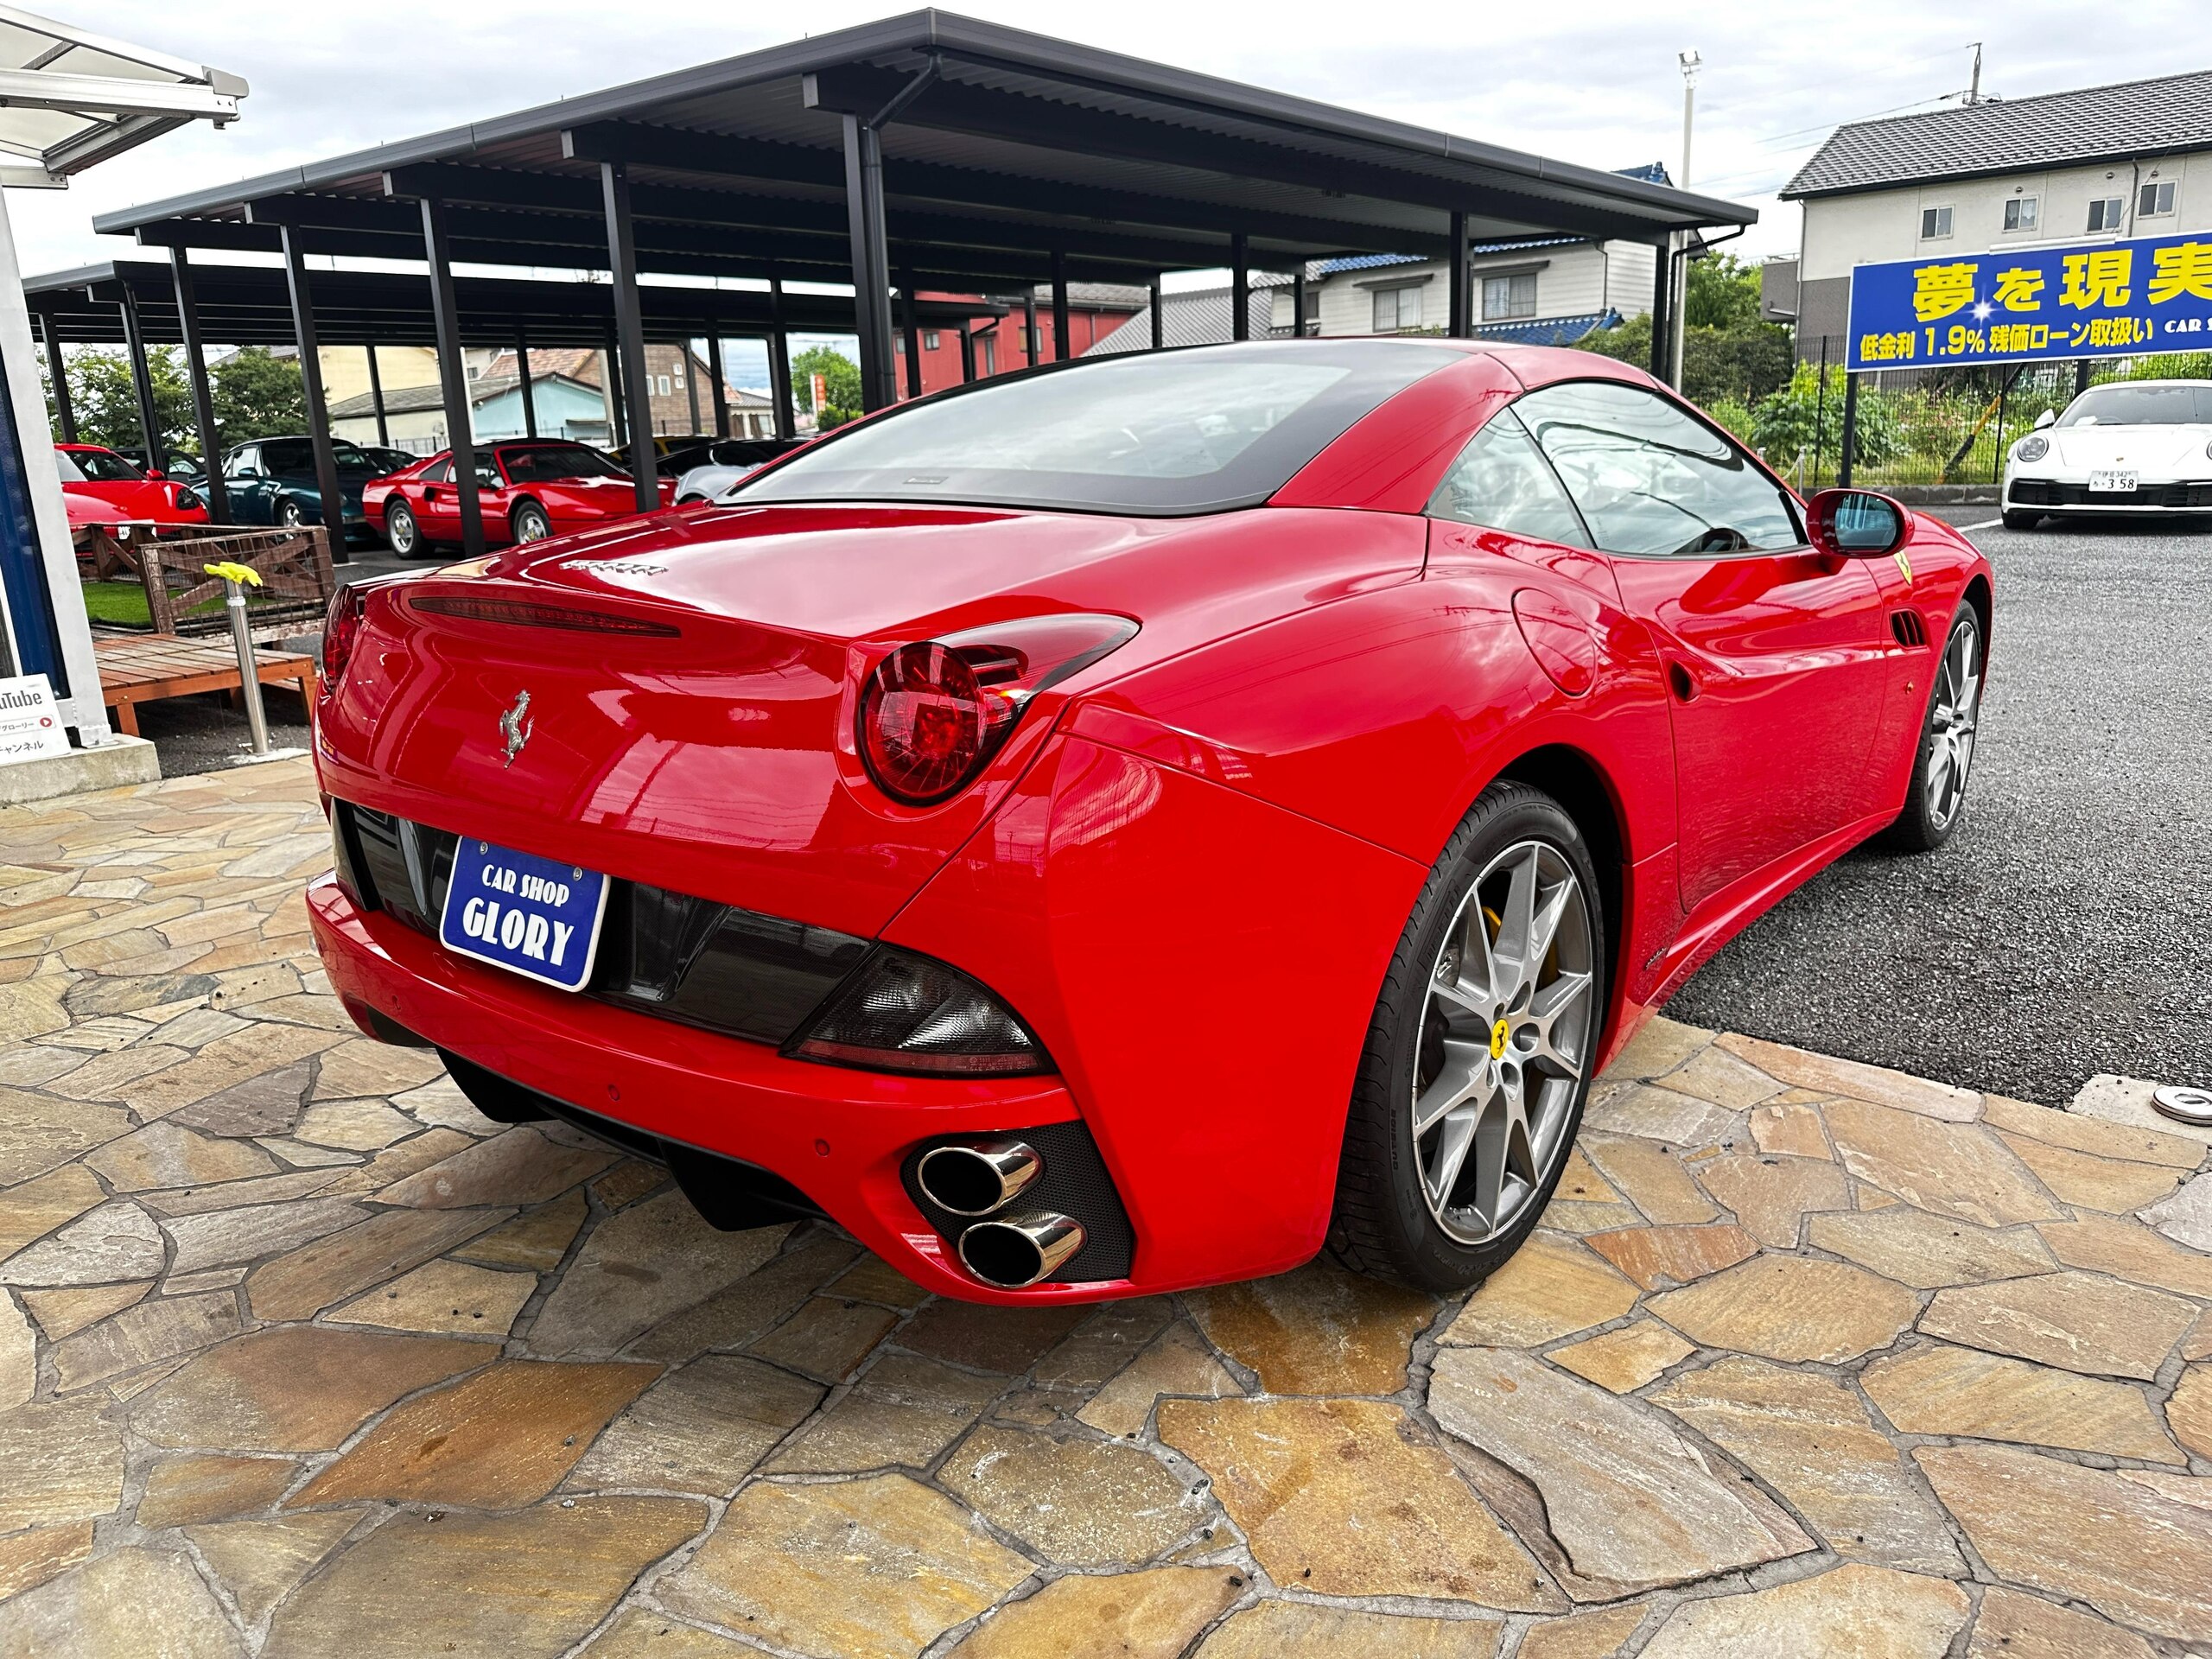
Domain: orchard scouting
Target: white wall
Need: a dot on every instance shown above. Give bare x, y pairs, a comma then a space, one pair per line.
1573, 280
1873, 227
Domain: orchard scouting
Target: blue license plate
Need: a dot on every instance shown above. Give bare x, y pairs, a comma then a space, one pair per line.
527, 914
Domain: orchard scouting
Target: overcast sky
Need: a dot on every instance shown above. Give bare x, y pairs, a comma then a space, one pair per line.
1593, 81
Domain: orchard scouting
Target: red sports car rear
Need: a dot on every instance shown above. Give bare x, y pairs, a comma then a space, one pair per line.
1005, 829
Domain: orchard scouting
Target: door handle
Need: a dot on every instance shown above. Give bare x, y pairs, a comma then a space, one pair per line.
1680, 681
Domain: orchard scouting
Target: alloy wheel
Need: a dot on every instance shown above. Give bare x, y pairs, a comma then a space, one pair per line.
1505, 1041
1951, 721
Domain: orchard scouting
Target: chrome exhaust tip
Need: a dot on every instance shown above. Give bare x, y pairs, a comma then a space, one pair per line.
1018, 1250
975, 1178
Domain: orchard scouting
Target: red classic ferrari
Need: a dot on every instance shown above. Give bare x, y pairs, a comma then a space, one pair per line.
526, 490
1125, 825
101, 487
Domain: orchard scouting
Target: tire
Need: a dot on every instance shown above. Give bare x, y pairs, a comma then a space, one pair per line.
529, 523
1937, 800
1384, 1223
401, 531
2020, 520
290, 516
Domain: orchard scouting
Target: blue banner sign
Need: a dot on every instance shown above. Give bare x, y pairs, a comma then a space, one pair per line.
2101, 299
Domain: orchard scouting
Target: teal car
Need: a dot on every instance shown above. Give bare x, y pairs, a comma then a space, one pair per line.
272, 481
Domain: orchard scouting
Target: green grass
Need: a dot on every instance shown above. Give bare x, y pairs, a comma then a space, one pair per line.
123, 604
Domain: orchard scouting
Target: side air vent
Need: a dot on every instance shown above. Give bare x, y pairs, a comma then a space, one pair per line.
1911, 632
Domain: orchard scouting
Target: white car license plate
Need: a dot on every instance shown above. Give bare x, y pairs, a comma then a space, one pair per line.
2111, 483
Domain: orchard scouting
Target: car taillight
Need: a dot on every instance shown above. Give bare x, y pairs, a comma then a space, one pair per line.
341, 629
902, 1012
934, 712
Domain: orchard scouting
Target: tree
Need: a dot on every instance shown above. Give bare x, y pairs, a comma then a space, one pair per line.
1740, 363
841, 378
105, 402
1724, 292
257, 395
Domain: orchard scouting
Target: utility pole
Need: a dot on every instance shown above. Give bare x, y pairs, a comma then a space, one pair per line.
1691, 64
1974, 89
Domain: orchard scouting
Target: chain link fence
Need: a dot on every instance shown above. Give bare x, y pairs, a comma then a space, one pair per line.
1922, 426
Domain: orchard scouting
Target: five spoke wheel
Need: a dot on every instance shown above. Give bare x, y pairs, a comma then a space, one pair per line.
1951, 722
1506, 1036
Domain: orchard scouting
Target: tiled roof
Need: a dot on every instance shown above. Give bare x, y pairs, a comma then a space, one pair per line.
415, 400
1548, 331
1650, 173
2095, 123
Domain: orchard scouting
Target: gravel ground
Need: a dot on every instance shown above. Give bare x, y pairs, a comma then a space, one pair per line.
2067, 928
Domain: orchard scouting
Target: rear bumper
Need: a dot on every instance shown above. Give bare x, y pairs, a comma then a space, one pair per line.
837, 1134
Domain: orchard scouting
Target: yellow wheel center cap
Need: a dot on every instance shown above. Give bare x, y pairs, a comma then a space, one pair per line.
1499, 1035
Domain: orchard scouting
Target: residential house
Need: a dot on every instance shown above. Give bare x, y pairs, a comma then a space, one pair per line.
415, 416
2096, 164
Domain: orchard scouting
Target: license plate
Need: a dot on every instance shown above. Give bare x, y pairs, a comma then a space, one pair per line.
529, 915
2108, 483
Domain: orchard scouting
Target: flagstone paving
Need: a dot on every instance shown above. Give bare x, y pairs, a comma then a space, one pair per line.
300, 1356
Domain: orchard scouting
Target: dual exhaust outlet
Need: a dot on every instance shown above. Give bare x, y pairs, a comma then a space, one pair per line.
981, 1178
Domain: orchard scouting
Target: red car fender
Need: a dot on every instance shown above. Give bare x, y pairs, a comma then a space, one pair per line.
1212, 1062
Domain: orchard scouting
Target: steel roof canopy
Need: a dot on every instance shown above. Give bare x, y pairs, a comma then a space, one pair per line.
1020, 145
250, 305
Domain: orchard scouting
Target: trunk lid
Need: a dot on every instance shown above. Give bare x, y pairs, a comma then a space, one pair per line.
690, 682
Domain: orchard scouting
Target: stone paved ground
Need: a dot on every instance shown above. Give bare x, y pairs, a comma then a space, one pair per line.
300, 1356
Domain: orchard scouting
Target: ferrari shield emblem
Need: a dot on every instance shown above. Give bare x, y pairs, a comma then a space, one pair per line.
1904, 569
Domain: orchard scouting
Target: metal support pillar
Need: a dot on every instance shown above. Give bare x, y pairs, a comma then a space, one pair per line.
2081, 376
303, 335
1063, 338
1459, 322
523, 384
1850, 430
1159, 322
721, 380
1029, 343
871, 263
1662, 269
452, 381
780, 361
967, 352
64, 415
911, 329
617, 420
1240, 288
376, 397
142, 380
203, 401
630, 332
1297, 301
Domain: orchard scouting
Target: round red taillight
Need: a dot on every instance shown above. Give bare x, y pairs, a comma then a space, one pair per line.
341, 629
926, 724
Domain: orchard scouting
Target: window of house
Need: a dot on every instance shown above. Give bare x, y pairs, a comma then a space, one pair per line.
1398, 309
930, 337
664, 386
1651, 479
1935, 222
1503, 481
2104, 215
2154, 198
2020, 213
1509, 296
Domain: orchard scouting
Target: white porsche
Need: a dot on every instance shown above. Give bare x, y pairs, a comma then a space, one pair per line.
2133, 447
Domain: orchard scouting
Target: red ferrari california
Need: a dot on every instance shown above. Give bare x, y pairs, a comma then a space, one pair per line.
1130, 825
526, 490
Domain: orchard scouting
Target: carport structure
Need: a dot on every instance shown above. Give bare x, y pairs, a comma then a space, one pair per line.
925, 152
138, 302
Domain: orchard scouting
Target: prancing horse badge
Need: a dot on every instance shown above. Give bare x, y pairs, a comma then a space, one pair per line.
515, 727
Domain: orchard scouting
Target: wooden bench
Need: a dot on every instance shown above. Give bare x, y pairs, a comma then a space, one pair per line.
151, 667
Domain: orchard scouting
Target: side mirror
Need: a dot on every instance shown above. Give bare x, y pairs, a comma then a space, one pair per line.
154, 474
2046, 418
1856, 524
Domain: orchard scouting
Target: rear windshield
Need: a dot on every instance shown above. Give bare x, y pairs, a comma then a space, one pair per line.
105, 467
547, 463
1150, 433
2144, 405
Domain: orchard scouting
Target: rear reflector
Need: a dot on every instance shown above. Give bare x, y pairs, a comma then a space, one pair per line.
529, 614
902, 1012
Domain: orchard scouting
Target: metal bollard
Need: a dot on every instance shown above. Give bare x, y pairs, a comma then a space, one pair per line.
236, 579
